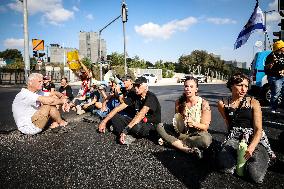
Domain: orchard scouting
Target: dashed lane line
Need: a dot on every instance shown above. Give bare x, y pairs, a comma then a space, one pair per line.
273, 122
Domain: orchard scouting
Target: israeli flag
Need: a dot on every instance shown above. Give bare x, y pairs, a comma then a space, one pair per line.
255, 23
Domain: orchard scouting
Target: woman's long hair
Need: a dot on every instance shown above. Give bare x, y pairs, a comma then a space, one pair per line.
182, 98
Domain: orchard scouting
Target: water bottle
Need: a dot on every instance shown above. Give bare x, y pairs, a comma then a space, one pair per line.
241, 160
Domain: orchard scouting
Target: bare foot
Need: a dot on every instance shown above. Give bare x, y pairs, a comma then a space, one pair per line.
54, 125
63, 123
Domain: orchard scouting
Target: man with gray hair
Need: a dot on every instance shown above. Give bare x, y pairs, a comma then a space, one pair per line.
31, 110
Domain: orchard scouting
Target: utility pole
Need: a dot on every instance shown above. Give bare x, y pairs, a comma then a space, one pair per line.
124, 15
265, 35
26, 40
64, 55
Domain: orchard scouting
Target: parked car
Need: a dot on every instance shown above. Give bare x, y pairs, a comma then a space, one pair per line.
200, 78
151, 78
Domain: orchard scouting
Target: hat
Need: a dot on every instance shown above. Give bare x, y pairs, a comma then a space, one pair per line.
46, 77
278, 45
140, 80
126, 77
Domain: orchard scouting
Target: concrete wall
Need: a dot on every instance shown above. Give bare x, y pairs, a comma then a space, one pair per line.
138, 72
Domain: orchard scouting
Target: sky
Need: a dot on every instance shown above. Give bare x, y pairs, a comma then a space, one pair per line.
155, 30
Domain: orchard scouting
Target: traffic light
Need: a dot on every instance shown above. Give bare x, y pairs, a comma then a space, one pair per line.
35, 54
281, 24
281, 7
124, 12
279, 35
41, 54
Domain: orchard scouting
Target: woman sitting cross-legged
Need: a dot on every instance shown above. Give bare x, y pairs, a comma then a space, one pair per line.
188, 132
243, 117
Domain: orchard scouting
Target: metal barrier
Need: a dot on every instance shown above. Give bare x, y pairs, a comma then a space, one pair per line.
13, 77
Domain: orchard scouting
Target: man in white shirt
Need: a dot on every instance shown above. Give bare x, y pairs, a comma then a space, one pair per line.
31, 111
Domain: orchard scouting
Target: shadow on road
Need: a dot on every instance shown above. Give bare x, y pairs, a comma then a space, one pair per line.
186, 167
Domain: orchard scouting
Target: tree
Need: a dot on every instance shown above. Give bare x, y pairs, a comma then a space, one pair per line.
11, 54
116, 59
87, 62
18, 64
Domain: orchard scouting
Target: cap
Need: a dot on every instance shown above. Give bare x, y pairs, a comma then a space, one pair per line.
46, 77
278, 45
140, 80
126, 77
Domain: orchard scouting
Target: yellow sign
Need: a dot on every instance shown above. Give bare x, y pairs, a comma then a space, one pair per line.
73, 60
38, 44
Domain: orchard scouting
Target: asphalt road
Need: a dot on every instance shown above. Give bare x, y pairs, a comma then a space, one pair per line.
82, 158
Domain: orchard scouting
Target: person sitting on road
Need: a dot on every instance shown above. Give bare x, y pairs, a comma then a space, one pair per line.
243, 118
111, 100
121, 111
91, 102
66, 89
48, 86
148, 114
32, 111
188, 132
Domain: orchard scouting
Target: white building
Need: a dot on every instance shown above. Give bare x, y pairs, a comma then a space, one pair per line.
89, 46
57, 53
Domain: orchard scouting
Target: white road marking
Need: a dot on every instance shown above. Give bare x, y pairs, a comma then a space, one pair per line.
273, 122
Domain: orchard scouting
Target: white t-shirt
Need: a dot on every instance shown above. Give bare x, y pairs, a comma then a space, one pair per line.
24, 106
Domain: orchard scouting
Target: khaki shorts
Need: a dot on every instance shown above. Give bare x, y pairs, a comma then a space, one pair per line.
39, 119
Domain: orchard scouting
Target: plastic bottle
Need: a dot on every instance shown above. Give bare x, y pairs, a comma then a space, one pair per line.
240, 159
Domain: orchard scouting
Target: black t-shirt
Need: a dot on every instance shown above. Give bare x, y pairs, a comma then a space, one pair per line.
67, 91
277, 62
151, 101
130, 95
46, 87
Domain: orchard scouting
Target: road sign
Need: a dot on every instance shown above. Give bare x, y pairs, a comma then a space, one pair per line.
38, 44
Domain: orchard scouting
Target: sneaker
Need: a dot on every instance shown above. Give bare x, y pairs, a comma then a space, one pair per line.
80, 112
111, 129
197, 152
275, 112
161, 142
129, 139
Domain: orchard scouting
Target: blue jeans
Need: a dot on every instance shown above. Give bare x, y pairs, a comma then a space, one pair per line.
277, 89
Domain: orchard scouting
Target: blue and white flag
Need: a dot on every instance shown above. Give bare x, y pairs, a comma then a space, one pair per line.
255, 23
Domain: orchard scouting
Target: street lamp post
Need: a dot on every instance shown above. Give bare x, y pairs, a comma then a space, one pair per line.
26, 40
124, 19
265, 35
99, 53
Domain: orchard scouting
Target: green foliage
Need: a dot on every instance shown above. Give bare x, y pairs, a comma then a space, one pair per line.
200, 62
119, 70
18, 64
11, 54
167, 68
116, 59
87, 62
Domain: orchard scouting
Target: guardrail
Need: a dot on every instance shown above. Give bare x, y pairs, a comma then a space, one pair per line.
14, 77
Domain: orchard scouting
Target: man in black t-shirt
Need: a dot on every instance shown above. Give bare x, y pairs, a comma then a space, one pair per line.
66, 89
148, 114
47, 87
